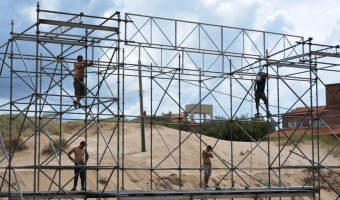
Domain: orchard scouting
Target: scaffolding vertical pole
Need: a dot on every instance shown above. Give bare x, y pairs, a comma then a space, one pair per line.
123, 113
40, 89
151, 126
231, 123
10, 113
317, 122
222, 50
311, 110
60, 110
118, 105
278, 114
37, 128
193, 117
141, 109
97, 145
86, 100
278, 119
267, 115
179, 121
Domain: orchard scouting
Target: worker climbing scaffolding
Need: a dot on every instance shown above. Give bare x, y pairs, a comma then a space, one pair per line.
259, 86
79, 87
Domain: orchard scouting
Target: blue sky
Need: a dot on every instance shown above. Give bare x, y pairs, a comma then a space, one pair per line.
307, 18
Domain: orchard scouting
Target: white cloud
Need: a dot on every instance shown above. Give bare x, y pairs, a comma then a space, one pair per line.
238, 13
333, 24
280, 22
209, 3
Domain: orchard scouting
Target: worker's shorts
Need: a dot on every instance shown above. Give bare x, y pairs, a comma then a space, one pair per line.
259, 96
79, 87
207, 169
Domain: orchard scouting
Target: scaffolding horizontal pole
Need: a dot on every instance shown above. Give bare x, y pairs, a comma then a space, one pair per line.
306, 167
170, 194
289, 64
335, 55
66, 167
78, 25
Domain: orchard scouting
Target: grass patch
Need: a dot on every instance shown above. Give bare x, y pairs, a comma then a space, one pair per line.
325, 141
19, 123
294, 139
14, 143
52, 128
73, 125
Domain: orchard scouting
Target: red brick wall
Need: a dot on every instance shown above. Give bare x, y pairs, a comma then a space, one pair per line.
330, 117
333, 95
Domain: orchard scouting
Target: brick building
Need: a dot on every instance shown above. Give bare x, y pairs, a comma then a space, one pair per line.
304, 120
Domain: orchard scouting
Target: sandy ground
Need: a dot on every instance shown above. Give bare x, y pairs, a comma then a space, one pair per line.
165, 155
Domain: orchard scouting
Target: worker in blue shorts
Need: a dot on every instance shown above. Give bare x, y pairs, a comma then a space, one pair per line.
259, 86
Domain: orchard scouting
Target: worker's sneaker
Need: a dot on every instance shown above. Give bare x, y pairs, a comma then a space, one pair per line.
73, 189
75, 104
257, 115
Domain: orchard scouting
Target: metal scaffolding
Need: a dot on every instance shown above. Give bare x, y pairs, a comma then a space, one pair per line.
178, 62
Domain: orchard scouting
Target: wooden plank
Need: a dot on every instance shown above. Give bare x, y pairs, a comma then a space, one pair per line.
335, 55
78, 25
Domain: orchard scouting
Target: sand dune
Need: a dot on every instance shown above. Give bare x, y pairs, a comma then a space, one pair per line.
251, 166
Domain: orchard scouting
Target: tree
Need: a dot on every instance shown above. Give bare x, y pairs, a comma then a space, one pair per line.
241, 128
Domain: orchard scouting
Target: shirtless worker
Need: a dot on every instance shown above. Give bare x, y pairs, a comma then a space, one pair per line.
79, 87
80, 158
206, 155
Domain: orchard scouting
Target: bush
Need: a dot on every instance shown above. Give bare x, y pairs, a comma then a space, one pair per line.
54, 145
240, 129
19, 123
14, 142
53, 128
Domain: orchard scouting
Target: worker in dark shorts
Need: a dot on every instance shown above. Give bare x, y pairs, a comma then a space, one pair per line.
80, 159
259, 86
79, 86
206, 155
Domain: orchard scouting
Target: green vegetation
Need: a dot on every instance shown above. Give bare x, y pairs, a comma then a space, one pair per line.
22, 124
72, 125
19, 123
325, 141
52, 146
22, 127
240, 129
14, 142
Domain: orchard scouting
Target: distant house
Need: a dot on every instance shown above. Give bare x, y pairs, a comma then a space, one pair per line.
168, 118
306, 119
189, 115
